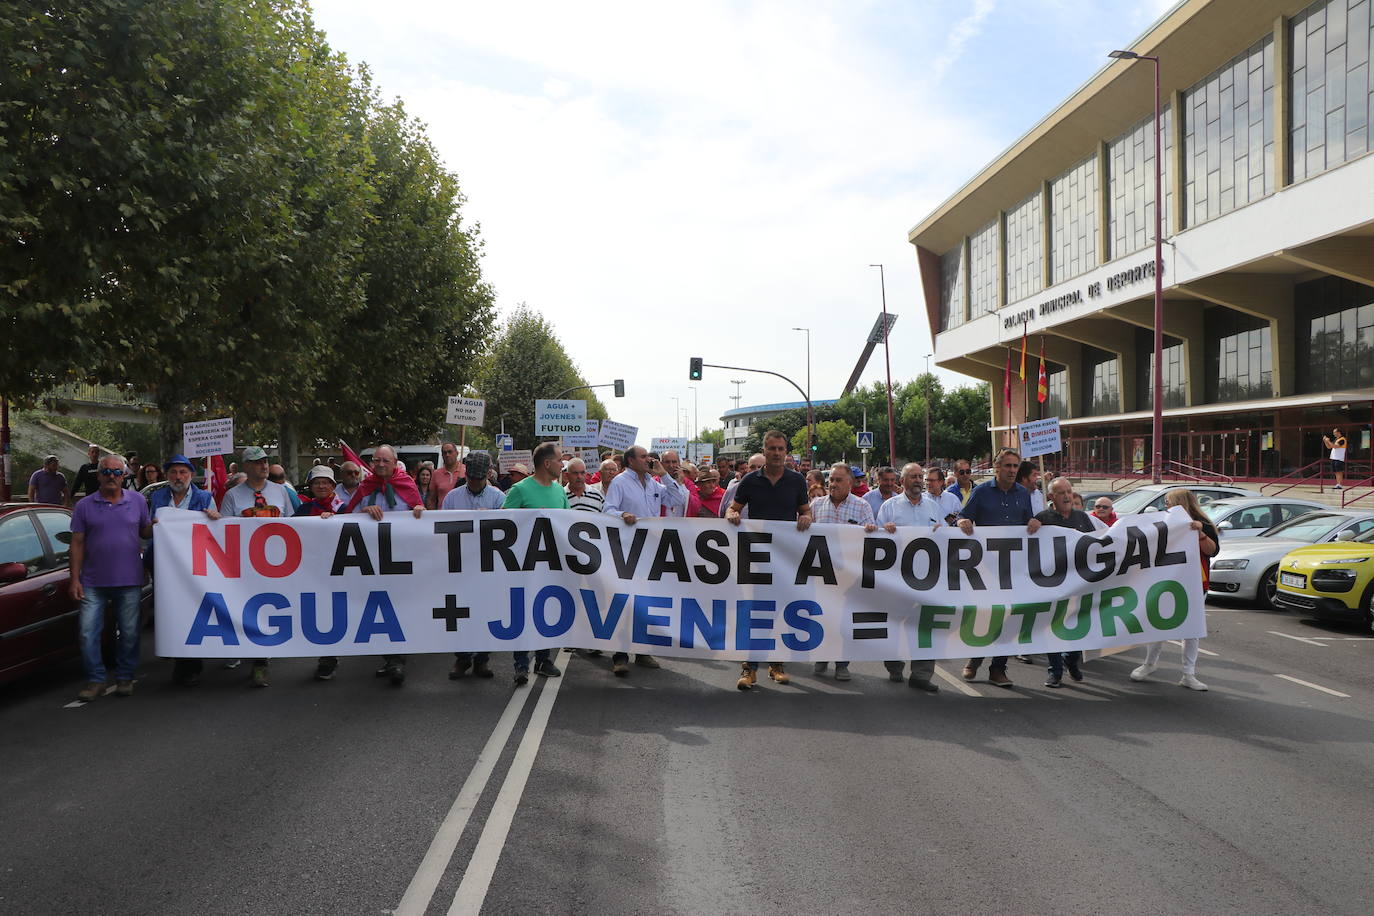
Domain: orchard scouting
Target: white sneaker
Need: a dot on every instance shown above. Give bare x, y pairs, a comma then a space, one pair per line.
1191, 683
1143, 672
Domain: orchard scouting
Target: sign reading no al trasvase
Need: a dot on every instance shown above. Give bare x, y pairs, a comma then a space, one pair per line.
559, 418
208, 437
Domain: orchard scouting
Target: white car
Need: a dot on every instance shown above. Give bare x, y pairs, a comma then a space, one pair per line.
1248, 517
1248, 567
1150, 498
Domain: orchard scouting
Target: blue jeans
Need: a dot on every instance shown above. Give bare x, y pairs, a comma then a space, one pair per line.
124, 598
522, 659
1059, 659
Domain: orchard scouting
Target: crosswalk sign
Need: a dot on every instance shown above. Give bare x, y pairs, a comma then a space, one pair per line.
504, 442
863, 439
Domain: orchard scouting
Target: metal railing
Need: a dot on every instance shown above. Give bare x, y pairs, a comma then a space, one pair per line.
1300, 476
1348, 498
1172, 470
121, 395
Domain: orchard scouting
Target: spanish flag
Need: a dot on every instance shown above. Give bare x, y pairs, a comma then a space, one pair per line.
1023, 352
1042, 391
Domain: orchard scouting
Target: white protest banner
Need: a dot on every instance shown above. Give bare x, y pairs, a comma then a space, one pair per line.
590, 457
617, 435
1039, 437
700, 452
465, 411
587, 439
511, 457
208, 437
666, 443
559, 418
525, 579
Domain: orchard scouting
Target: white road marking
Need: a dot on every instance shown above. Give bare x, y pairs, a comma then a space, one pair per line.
957, 682
472, 892
1334, 693
77, 704
1201, 651
421, 889
1310, 642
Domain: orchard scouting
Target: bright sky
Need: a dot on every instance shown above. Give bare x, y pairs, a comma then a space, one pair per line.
666, 181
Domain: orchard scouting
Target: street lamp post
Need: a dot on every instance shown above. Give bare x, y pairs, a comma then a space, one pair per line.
1157, 425
887, 354
696, 415
810, 415
677, 414
927, 359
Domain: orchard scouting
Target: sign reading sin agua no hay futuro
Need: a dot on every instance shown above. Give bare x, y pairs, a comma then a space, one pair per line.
490, 581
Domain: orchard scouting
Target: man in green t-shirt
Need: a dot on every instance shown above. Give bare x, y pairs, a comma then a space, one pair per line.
541, 490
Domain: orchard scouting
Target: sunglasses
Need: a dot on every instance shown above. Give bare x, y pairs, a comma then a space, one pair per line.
111, 472
964, 473
1102, 508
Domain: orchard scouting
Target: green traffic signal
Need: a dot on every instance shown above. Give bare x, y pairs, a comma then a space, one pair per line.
694, 370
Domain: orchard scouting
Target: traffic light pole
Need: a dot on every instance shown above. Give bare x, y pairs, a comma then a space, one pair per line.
618, 385
805, 397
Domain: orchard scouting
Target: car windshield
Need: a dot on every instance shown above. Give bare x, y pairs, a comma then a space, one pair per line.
1309, 528
1213, 510
1366, 538
1135, 501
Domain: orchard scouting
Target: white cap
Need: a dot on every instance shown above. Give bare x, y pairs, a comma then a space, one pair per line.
320, 470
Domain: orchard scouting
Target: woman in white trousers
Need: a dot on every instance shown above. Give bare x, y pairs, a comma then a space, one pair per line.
1209, 544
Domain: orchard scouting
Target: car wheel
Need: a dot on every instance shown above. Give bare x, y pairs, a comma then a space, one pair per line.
1268, 588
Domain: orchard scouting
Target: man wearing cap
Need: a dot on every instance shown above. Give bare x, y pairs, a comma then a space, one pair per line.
87, 480
180, 493
475, 493
256, 496
48, 484
860, 485
323, 503
517, 473
106, 569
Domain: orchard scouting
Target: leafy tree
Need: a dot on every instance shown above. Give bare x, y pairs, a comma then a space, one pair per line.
714, 436
834, 440
527, 362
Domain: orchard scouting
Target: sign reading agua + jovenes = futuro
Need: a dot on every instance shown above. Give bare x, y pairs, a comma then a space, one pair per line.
560, 417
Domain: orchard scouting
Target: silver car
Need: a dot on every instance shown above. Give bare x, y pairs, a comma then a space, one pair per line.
1248, 517
1150, 498
1247, 567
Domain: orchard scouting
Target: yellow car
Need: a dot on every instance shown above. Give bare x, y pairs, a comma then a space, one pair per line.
1332, 581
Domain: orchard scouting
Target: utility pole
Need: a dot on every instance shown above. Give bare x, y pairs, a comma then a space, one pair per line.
737, 397
677, 414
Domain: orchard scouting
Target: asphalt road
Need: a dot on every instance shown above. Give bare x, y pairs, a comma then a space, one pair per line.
672, 792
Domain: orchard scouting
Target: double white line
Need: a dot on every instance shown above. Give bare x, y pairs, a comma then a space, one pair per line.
477, 879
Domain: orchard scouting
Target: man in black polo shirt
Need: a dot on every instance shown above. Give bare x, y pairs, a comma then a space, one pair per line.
774, 493
1062, 514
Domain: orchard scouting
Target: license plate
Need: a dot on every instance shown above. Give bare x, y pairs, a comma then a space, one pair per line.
1293, 580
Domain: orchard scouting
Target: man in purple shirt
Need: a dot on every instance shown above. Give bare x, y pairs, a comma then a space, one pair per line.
48, 484
107, 568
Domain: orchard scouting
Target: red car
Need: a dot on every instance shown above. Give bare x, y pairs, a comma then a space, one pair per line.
38, 618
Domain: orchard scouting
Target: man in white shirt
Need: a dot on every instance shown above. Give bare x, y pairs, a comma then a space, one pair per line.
673, 476
1028, 476
635, 493
606, 474
841, 507
256, 492
948, 502
911, 508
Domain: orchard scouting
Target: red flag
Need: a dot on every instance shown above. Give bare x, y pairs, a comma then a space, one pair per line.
350, 455
1023, 352
216, 477
1006, 381
1042, 391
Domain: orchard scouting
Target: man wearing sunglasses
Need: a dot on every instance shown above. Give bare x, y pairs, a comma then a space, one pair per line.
108, 528
1000, 501
963, 482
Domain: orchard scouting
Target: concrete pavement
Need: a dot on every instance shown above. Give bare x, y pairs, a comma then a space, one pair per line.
670, 791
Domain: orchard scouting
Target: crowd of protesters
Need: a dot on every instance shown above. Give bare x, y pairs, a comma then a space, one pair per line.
111, 550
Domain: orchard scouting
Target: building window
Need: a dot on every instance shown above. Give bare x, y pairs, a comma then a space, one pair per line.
983, 270
1175, 371
1240, 359
1057, 393
1228, 135
952, 288
1025, 256
1131, 184
1102, 391
1073, 221
1335, 325
1331, 87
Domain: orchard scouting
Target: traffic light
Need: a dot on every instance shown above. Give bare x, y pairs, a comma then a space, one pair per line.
815, 442
694, 373
620, 388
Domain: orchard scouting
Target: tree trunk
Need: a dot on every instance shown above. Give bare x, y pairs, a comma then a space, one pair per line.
288, 450
171, 415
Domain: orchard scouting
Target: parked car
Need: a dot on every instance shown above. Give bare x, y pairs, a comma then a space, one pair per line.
1248, 567
1150, 497
1333, 581
38, 617
1248, 517
1092, 496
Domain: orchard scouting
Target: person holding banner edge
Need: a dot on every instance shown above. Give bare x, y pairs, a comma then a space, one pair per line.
180, 493
772, 493
541, 490
840, 507
910, 507
1062, 514
478, 494
1000, 501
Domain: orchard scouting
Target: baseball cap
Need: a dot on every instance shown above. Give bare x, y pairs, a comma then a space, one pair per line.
254, 453
520, 469
858, 471
477, 464
50, 458
320, 470
177, 459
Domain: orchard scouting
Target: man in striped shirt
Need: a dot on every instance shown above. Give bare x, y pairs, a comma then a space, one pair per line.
580, 496
841, 507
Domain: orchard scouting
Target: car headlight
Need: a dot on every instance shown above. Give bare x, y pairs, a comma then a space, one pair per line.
1343, 561
1230, 564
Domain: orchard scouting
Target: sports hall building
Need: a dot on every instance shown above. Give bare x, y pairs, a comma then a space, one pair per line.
1268, 258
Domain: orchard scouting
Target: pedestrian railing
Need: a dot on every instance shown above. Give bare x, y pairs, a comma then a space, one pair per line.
84, 392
